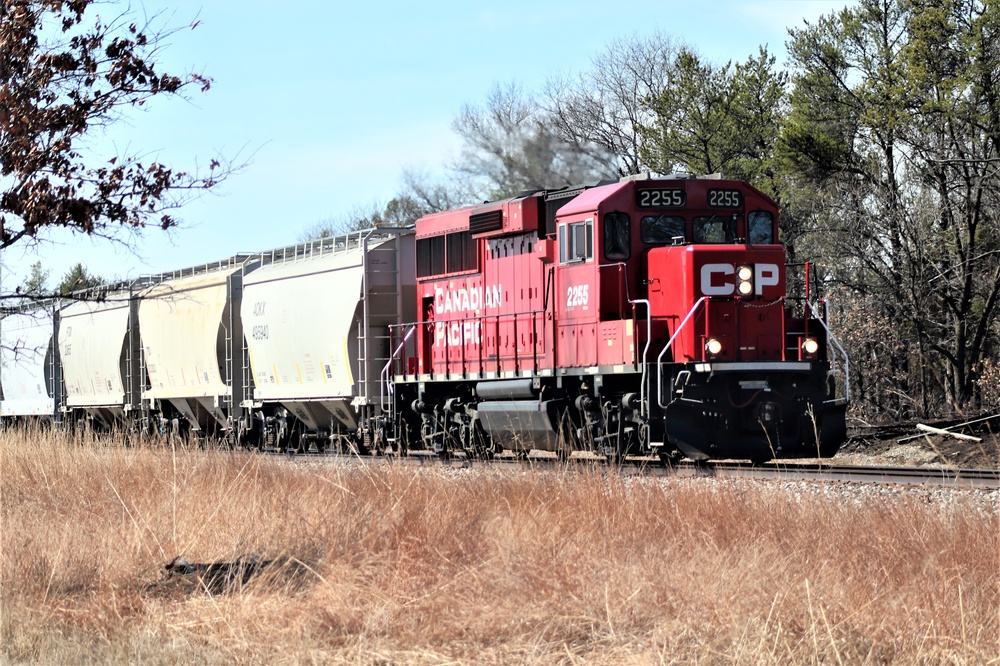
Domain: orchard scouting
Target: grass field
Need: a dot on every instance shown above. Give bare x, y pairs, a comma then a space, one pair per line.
393, 565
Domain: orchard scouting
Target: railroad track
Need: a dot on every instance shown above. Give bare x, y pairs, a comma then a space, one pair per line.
986, 479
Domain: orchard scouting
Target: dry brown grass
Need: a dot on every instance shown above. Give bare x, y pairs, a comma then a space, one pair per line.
387, 564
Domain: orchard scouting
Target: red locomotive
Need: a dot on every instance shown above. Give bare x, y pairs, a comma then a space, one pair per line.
646, 316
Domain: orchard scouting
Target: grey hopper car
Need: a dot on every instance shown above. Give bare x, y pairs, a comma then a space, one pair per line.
316, 321
192, 349
99, 357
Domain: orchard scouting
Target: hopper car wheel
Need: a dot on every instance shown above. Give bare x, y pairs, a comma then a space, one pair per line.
378, 445
290, 441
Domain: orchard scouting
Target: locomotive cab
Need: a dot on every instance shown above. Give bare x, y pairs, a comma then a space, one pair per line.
745, 371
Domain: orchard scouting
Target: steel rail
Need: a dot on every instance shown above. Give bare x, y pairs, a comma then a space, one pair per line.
939, 477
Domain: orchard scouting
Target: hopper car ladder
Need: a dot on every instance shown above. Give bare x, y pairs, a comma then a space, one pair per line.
381, 307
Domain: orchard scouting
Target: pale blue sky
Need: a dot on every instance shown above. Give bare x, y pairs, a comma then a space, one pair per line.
334, 100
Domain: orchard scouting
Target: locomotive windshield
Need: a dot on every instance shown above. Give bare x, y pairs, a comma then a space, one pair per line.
714, 230
662, 229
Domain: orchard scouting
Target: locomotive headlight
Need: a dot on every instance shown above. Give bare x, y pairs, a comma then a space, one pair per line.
744, 280
713, 347
810, 346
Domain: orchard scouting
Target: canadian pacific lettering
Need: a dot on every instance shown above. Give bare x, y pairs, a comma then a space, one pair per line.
467, 301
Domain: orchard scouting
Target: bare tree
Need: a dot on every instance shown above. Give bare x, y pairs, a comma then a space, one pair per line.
511, 144
431, 195
401, 211
359, 217
64, 72
606, 107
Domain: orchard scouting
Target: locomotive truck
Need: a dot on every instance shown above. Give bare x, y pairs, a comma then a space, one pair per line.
647, 316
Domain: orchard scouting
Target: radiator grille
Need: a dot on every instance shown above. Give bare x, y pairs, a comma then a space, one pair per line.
483, 222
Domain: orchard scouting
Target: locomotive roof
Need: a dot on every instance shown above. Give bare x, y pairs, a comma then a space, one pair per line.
589, 200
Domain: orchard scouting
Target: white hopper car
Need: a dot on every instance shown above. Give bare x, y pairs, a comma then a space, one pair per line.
28, 368
228, 350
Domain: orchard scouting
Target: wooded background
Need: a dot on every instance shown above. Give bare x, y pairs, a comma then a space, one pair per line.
878, 138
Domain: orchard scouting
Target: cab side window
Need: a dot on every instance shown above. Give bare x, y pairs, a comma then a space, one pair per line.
761, 227
576, 242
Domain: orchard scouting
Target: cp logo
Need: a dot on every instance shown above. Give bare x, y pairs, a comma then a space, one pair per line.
721, 279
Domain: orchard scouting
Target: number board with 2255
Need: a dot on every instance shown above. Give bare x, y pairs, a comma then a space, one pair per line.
672, 198
725, 198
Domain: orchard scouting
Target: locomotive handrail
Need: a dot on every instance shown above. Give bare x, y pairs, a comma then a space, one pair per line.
659, 359
833, 341
385, 371
645, 352
623, 278
484, 320
831, 338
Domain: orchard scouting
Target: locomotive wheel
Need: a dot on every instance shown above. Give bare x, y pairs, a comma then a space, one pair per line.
478, 444
615, 452
670, 459
401, 446
615, 458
